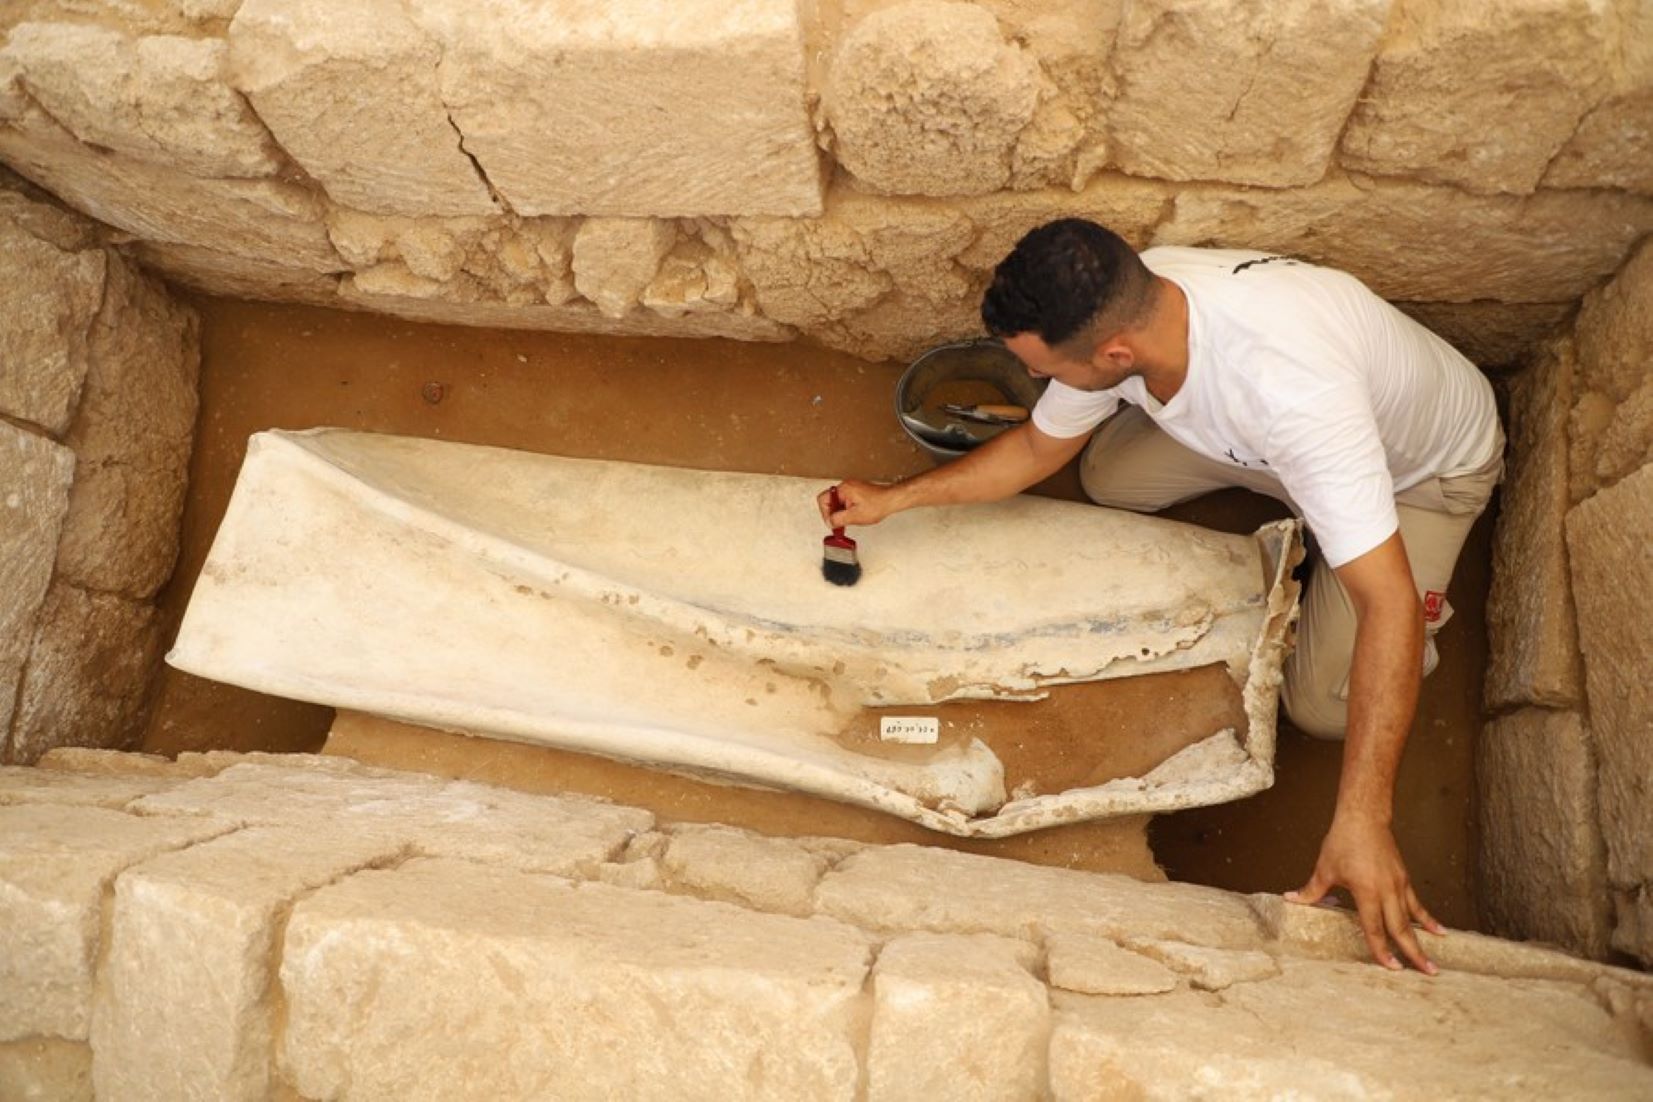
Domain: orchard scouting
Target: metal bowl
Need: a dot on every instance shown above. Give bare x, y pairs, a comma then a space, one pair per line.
983, 360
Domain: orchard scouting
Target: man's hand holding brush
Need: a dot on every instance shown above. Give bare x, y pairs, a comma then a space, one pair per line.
857, 503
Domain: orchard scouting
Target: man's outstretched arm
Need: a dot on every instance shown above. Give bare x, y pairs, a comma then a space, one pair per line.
1359, 852
1005, 465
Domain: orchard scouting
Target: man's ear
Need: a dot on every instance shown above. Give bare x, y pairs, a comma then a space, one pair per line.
1114, 354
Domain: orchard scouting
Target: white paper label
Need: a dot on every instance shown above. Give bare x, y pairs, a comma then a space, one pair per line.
915, 729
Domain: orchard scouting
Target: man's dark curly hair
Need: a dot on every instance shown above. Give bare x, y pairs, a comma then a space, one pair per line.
1065, 278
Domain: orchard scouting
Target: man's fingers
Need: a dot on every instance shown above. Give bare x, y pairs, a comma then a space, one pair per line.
1377, 940
1423, 917
1400, 929
1312, 892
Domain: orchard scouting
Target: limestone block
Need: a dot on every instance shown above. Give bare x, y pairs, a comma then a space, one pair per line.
35, 212
1329, 1031
267, 219
1426, 114
1531, 629
814, 272
88, 674
1494, 335
1610, 543
35, 475
766, 874
918, 888
107, 763
1613, 145
640, 874
1615, 330
1248, 93
631, 109
212, 272
1333, 933
55, 865
575, 317
1413, 241
1587, 423
1627, 441
437, 818
927, 98
409, 984
616, 258
159, 98
44, 1069
1541, 864
351, 94
1097, 966
1205, 968
29, 785
957, 1017
185, 1005
51, 298
132, 440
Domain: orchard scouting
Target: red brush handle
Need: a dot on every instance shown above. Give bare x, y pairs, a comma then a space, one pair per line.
838, 539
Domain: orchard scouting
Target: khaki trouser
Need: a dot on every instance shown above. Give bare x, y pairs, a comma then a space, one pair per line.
1132, 464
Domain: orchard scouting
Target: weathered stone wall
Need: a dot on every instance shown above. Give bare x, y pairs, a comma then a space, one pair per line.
97, 411
1563, 772
252, 926
848, 170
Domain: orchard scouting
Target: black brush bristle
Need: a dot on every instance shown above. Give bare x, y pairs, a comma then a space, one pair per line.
840, 573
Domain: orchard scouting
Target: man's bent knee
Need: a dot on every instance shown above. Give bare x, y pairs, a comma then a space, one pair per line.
1316, 711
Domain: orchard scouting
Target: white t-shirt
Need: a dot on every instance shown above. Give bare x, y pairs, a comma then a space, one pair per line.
1305, 373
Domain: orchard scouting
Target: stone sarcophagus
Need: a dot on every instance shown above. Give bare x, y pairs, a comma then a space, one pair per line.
678, 618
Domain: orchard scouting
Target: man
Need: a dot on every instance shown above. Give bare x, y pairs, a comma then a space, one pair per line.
1244, 369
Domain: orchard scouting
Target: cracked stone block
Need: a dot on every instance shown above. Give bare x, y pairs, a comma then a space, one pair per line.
1541, 863
351, 94
132, 440
680, 110
1426, 114
1208, 969
927, 98
35, 476
1613, 145
1627, 440
435, 818
33, 785
267, 219
1329, 1031
1247, 93
185, 1006
909, 887
56, 863
956, 1017
1096, 966
159, 98
1615, 330
1531, 627
410, 983
88, 674
1413, 241
1610, 543
737, 866
45, 1069
52, 295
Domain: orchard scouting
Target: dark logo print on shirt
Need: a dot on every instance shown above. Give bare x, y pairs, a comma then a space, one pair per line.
1245, 462
1243, 265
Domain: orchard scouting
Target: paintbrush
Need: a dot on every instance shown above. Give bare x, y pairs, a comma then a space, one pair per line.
839, 563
